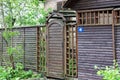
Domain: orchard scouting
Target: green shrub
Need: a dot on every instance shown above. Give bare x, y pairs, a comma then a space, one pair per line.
109, 72
8, 73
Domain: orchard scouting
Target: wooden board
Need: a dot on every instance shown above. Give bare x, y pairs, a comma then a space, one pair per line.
55, 49
117, 43
91, 4
94, 48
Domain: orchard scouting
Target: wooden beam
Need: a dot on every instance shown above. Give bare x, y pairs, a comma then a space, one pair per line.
77, 48
113, 35
65, 49
78, 18
24, 46
38, 48
72, 50
92, 10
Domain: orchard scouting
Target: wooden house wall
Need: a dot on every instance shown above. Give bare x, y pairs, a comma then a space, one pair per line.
117, 43
92, 4
94, 48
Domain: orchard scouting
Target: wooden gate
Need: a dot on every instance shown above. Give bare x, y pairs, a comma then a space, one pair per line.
55, 48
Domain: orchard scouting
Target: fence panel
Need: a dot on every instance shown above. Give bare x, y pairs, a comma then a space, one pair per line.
1, 47
27, 42
71, 59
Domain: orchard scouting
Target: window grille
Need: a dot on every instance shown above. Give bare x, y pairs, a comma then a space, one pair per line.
103, 17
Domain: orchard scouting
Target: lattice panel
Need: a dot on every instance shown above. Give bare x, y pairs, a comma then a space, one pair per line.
71, 59
42, 50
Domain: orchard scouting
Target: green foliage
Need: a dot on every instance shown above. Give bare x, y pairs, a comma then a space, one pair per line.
72, 66
12, 50
43, 62
7, 35
19, 13
23, 12
109, 72
8, 73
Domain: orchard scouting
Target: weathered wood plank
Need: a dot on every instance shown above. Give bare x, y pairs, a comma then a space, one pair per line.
55, 49
94, 49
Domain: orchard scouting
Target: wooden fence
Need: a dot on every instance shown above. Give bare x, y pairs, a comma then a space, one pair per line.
32, 41
59, 60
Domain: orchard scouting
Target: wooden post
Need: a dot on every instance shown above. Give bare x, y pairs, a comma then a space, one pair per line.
78, 17
47, 47
64, 48
24, 46
108, 17
113, 35
1, 51
38, 48
77, 50
103, 17
77, 43
73, 50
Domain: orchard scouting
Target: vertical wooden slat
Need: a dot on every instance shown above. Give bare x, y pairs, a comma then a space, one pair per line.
24, 46
108, 16
98, 17
69, 50
78, 17
90, 17
77, 48
94, 18
45, 51
65, 50
47, 47
2, 50
63, 47
103, 17
37, 48
82, 18
41, 49
13, 63
116, 20
113, 35
86, 18
72, 51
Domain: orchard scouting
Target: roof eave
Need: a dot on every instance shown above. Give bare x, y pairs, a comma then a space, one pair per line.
66, 5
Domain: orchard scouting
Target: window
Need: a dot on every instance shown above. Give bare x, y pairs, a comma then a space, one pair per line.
103, 17
117, 17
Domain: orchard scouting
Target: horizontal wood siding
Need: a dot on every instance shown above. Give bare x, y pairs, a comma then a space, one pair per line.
1, 47
117, 41
30, 48
94, 48
18, 41
26, 44
92, 4
55, 49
